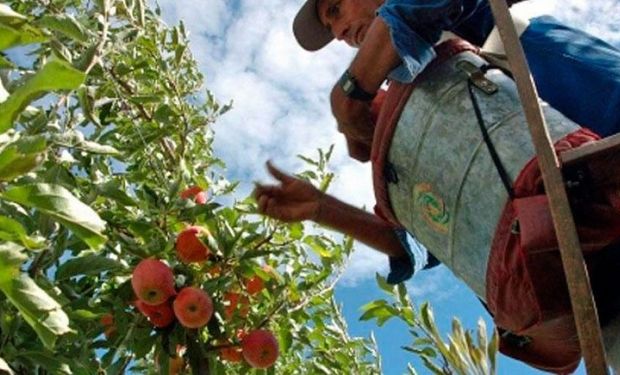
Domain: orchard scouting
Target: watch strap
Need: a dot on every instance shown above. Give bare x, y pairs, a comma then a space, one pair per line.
348, 84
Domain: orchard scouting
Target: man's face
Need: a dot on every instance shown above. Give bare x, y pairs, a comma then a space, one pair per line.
348, 20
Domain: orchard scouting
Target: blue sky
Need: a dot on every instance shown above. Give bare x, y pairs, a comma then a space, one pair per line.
280, 109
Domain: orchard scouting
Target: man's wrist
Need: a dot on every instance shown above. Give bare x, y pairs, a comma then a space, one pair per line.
316, 217
351, 88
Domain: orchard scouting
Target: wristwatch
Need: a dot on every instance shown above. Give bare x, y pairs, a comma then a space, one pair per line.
349, 85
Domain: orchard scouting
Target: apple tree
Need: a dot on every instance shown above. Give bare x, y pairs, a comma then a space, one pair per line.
122, 245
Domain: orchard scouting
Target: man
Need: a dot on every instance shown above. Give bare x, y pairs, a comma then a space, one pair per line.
575, 73
398, 43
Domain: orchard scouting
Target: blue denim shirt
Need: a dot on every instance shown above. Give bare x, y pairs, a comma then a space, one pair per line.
416, 25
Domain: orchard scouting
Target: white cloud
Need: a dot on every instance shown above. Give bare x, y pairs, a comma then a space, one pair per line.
437, 284
364, 264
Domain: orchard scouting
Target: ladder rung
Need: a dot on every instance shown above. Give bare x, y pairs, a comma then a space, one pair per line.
606, 147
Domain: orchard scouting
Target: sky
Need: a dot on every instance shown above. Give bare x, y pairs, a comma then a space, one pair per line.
280, 92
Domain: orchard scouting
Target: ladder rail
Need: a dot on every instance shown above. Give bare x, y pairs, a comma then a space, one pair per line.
584, 309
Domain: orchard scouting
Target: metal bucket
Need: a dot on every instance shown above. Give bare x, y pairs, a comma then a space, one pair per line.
447, 191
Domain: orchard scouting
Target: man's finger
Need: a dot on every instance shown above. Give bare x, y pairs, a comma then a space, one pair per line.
268, 190
278, 174
262, 203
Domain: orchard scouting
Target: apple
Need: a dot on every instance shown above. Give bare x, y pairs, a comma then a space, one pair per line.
193, 307
260, 348
256, 284
109, 328
160, 315
201, 198
199, 195
153, 281
233, 353
234, 301
176, 363
189, 246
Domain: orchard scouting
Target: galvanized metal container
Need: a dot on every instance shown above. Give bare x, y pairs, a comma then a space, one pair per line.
448, 191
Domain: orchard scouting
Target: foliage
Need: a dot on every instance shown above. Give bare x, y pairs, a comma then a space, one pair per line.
103, 122
460, 354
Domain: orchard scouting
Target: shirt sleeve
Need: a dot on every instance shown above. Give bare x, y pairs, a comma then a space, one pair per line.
415, 26
417, 258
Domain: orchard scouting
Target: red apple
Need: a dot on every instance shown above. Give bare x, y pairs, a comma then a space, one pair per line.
233, 353
254, 285
109, 328
201, 198
190, 192
260, 348
176, 364
189, 246
160, 316
199, 195
193, 307
233, 302
153, 281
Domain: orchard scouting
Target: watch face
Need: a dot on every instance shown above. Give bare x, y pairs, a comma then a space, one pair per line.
348, 85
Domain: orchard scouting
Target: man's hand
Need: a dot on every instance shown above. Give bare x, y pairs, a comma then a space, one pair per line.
355, 122
295, 200
290, 201
375, 59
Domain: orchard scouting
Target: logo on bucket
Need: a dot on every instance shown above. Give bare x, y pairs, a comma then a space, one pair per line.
431, 207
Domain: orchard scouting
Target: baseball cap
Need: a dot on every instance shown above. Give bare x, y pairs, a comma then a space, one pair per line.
310, 33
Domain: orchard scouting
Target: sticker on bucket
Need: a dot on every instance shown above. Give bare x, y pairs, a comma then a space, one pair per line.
432, 208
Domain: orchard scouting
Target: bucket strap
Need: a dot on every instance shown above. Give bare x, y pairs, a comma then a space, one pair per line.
503, 175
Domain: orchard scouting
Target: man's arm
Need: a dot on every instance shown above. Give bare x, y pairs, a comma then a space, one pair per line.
296, 200
374, 60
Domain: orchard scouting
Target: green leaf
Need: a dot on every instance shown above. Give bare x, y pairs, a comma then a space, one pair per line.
11, 258
5, 64
22, 156
48, 361
18, 35
319, 247
12, 230
64, 24
55, 75
82, 314
87, 265
75, 139
381, 281
297, 230
59, 203
374, 304
15, 30
111, 190
40, 310
431, 366
10, 17
8, 37
146, 99
492, 350
411, 370
96, 148
380, 311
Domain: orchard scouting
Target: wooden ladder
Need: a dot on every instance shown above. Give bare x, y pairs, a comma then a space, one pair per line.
582, 301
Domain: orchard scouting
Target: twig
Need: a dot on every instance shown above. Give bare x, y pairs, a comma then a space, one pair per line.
104, 37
